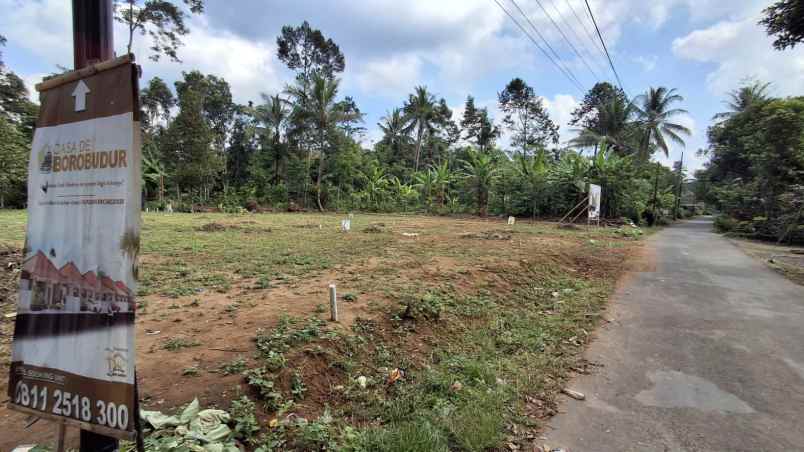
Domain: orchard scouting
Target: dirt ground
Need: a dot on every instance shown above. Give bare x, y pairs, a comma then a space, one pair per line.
215, 280
785, 259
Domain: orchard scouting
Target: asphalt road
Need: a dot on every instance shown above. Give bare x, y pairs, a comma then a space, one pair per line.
706, 353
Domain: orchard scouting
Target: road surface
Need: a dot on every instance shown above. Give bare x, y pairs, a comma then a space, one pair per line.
706, 353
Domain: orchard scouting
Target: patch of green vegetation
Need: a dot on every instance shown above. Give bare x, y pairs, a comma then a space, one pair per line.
260, 379
244, 417
177, 343
297, 387
235, 366
349, 297
192, 371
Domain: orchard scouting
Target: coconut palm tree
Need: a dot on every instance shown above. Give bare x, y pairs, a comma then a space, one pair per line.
480, 171
396, 129
420, 109
739, 100
275, 113
654, 115
614, 128
325, 114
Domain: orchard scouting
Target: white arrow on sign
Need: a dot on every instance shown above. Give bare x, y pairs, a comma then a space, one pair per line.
80, 93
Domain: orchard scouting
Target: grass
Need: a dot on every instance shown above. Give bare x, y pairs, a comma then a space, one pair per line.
480, 323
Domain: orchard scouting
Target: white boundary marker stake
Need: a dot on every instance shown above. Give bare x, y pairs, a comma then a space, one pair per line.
333, 303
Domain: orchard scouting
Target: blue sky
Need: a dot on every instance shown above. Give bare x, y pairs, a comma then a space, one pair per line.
703, 48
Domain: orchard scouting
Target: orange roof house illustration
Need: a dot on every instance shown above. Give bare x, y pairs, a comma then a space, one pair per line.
43, 287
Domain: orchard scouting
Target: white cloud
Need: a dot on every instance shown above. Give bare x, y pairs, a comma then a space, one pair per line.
389, 76
560, 108
250, 67
648, 63
741, 50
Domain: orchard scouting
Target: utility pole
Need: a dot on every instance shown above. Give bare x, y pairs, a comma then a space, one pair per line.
680, 186
93, 41
656, 192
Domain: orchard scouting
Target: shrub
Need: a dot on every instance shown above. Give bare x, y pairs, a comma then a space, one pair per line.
427, 307
725, 223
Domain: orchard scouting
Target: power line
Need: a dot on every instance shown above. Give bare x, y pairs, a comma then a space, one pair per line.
566, 39
560, 68
611, 63
595, 43
582, 45
545, 41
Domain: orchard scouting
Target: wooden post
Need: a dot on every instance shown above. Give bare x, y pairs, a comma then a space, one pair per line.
93, 42
62, 432
93, 34
333, 303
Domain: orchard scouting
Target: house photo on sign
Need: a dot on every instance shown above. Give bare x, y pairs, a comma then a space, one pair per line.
73, 350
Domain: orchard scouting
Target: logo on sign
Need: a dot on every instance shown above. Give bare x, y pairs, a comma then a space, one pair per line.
45, 158
117, 363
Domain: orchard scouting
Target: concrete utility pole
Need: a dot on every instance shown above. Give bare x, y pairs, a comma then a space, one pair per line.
93, 41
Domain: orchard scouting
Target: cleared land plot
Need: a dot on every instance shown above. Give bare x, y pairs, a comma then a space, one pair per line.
465, 329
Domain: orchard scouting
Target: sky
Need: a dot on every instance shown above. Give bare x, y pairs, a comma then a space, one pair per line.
703, 48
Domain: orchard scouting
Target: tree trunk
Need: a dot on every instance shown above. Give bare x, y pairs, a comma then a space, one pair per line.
318, 178
418, 146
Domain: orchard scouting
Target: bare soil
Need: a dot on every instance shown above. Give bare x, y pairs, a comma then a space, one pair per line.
465, 253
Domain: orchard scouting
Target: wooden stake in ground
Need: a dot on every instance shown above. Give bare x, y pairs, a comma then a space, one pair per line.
333, 303
62, 432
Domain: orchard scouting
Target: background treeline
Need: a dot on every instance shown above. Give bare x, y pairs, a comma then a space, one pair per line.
300, 149
755, 175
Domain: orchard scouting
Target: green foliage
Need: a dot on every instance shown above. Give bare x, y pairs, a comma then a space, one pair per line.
757, 164
177, 343
259, 379
246, 425
235, 366
427, 306
784, 20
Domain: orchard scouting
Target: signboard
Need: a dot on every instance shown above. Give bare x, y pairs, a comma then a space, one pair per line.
73, 351
594, 202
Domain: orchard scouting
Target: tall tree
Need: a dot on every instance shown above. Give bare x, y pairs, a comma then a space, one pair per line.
326, 115
15, 105
420, 110
308, 52
588, 114
613, 127
526, 117
396, 134
162, 20
189, 145
217, 105
744, 97
14, 150
654, 113
785, 20
157, 101
242, 145
477, 126
274, 114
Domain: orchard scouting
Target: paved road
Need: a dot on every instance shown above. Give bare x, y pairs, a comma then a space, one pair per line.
706, 353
